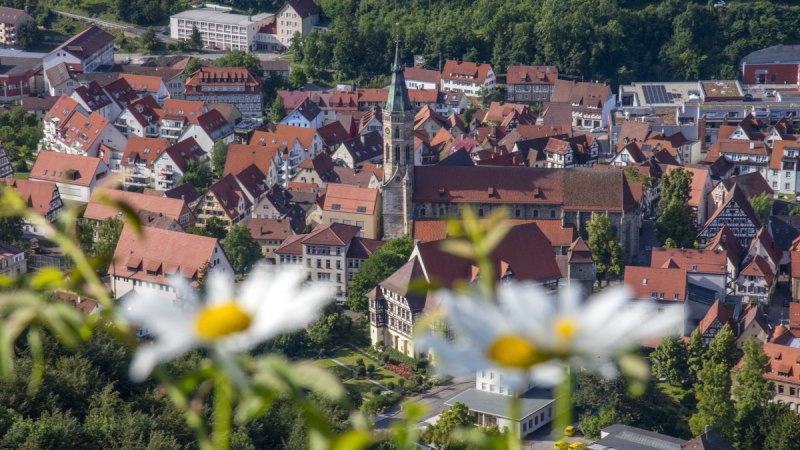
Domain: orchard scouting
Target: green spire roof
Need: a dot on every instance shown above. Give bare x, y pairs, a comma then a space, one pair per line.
398, 101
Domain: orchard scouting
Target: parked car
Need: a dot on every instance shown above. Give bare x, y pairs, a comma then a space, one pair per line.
561, 445
569, 430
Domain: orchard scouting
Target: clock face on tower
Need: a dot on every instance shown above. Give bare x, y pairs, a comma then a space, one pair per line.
387, 130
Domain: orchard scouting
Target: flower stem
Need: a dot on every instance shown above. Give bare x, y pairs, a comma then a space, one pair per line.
563, 405
223, 406
514, 440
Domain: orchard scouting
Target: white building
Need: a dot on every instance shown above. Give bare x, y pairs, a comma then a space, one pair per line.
468, 77
488, 403
92, 49
219, 28
76, 176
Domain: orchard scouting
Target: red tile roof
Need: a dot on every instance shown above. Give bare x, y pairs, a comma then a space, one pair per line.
580, 93
717, 312
794, 315
62, 109
37, 195
417, 73
168, 207
666, 284
350, 199
304, 8
187, 109
531, 75
285, 135
759, 267
159, 253
65, 168
784, 363
274, 229
240, 156
463, 70
143, 150
143, 83
426, 230
82, 132
86, 43
690, 260
224, 76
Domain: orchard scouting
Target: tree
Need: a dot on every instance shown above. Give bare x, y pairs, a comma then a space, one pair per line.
215, 228
676, 186
670, 360
722, 349
696, 353
384, 262
297, 78
11, 229
677, 226
196, 40
457, 416
108, 233
28, 35
606, 248
795, 210
784, 429
752, 390
198, 174
148, 42
219, 153
277, 111
192, 66
238, 58
762, 205
242, 250
332, 329
714, 405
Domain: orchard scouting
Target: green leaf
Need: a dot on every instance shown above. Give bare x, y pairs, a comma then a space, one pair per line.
350, 440
47, 278
128, 213
318, 379
458, 247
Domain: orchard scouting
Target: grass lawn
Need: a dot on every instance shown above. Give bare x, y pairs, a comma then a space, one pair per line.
349, 356
21, 175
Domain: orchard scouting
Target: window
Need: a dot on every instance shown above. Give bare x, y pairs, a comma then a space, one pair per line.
517, 213
553, 214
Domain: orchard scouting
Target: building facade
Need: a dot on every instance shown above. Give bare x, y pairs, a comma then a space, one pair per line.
219, 28
234, 85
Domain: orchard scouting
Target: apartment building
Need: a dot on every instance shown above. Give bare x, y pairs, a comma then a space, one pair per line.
233, 85
89, 51
11, 19
468, 77
530, 84
332, 252
295, 17
219, 28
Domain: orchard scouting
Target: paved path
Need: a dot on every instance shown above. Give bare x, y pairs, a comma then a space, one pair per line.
120, 26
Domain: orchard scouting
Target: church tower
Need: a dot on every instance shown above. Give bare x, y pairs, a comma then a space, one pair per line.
398, 155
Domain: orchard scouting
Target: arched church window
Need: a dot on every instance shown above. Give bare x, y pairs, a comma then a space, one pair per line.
396, 153
408, 153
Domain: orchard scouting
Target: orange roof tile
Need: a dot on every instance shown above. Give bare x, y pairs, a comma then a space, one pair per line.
143, 83
690, 260
240, 156
169, 207
656, 283
65, 168
350, 199
718, 312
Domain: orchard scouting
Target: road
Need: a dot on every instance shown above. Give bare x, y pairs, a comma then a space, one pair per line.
433, 400
120, 26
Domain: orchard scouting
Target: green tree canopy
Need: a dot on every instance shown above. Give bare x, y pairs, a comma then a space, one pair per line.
238, 58
277, 111
676, 226
148, 42
696, 353
722, 349
216, 228
11, 230
671, 360
457, 416
219, 153
242, 250
714, 405
676, 186
196, 40
386, 259
192, 66
108, 233
198, 174
762, 205
606, 248
752, 390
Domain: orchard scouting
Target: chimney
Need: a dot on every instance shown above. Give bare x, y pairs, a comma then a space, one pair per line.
752, 145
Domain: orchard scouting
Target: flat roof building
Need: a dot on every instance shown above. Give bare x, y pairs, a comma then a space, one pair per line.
219, 28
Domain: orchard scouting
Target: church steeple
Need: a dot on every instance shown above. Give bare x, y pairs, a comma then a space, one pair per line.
398, 155
397, 100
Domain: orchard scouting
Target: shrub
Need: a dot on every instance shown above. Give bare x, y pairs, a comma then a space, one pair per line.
401, 382
375, 391
370, 368
380, 403
361, 371
390, 385
360, 362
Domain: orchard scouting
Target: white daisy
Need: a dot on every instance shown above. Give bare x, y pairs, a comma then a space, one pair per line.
531, 335
270, 302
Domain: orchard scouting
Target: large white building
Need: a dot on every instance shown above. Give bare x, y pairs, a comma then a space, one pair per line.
219, 28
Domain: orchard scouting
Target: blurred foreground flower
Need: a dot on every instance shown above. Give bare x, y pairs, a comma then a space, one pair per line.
530, 335
270, 302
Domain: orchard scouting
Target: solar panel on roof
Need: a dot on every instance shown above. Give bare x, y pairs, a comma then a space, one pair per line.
656, 93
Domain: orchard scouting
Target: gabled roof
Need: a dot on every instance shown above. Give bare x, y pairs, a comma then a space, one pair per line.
93, 96
188, 109
656, 283
143, 83
337, 234
365, 147
464, 70
11, 15
580, 93
303, 8
241, 155
158, 254
764, 240
143, 150
309, 110
784, 363
363, 248
709, 440
63, 109
168, 207
184, 151
350, 199
718, 312
759, 267
214, 124
735, 195
531, 75
690, 260
333, 133
229, 194
65, 168
145, 110
224, 76
37, 195
86, 43
751, 184
417, 73
726, 241
272, 229
286, 135
82, 132
121, 92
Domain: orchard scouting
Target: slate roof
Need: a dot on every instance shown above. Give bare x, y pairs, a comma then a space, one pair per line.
86, 43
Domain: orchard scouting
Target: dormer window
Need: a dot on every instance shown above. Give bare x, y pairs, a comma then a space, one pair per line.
644, 281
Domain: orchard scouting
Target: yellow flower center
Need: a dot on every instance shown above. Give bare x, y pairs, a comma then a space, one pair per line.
221, 320
511, 350
565, 328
